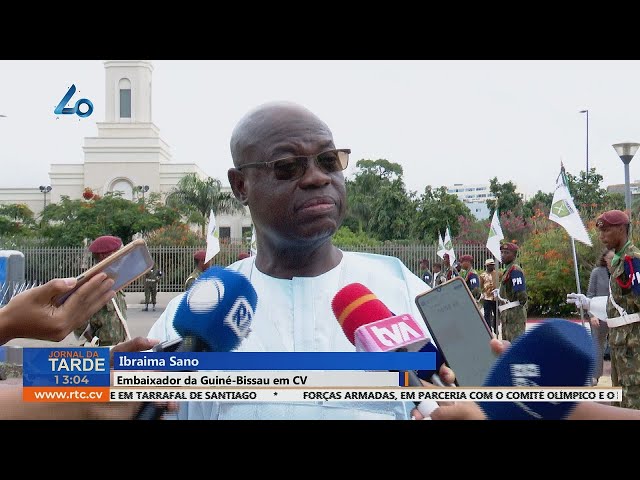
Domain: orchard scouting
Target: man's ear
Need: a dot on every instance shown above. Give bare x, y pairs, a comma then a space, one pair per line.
238, 185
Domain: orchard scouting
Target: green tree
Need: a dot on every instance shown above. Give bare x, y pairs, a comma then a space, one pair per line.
378, 203
195, 198
588, 196
540, 201
345, 238
508, 200
435, 209
70, 222
16, 219
547, 261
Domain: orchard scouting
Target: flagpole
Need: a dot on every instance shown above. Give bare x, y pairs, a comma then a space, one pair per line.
575, 267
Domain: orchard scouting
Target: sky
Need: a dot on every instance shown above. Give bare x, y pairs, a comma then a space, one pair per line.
444, 121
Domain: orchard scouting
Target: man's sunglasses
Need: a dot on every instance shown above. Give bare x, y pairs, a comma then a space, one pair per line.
292, 168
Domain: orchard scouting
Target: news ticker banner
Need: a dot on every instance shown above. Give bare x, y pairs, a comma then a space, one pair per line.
369, 394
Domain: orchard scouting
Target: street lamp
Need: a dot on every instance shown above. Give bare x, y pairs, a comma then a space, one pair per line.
44, 191
626, 151
143, 188
587, 112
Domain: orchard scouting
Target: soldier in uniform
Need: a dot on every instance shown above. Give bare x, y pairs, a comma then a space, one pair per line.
425, 273
511, 295
198, 257
470, 276
622, 305
447, 271
488, 282
108, 325
151, 279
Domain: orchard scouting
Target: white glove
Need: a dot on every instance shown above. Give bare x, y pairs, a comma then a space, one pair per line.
579, 300
496, 293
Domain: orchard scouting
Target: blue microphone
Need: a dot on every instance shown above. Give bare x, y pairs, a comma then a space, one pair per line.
216, 312
556, 353
428, 375
214, 315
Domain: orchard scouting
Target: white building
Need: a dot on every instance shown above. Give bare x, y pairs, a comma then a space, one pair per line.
474, 196
127, 152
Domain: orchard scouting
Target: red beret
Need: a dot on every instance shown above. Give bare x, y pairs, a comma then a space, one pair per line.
200, 255
105, 244
509, 246
243, 255
445, 255
466, 258
612, 218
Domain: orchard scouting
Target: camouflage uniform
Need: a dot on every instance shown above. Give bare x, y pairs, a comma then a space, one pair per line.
624, 341
192, 278
513, 288
151, 279
105, 323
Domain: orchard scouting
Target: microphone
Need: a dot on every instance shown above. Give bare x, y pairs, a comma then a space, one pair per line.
556, 353
428, 375
372, 327
213, 316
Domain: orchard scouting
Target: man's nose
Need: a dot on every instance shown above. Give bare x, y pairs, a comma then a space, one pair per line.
314, 175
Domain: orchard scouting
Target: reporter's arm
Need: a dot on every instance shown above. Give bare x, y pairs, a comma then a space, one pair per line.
599, 411
32, 313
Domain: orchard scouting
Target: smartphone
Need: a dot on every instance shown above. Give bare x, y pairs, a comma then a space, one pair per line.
124, 266
459, 330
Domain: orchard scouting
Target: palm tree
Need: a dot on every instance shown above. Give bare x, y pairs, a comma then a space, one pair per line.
196, 198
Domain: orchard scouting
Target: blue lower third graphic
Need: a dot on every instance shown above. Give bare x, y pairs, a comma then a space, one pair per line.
66, 367
274, 361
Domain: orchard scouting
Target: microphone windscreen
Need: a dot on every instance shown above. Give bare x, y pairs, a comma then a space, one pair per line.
218, 309
427, 374
555, 353
355, 305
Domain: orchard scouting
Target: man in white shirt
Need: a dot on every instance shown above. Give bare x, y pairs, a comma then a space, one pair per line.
288, 171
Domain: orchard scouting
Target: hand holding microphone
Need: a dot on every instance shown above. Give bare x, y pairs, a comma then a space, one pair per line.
557, 353
372, 327
213, 316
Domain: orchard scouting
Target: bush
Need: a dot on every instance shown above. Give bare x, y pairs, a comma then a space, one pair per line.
547, 260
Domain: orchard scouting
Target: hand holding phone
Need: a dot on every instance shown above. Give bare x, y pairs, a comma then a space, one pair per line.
459, 330
124, 266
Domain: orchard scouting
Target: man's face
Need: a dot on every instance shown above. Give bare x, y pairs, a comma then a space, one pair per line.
613, 236
466, 265
491, 267
98, 257
508, 256
292, 212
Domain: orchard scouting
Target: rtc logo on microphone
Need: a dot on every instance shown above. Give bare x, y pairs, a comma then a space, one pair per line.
239, 317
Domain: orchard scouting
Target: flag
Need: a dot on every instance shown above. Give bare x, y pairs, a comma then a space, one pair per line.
495, 235
254, 242
441, 250
564, 212
213, 238
448, 246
